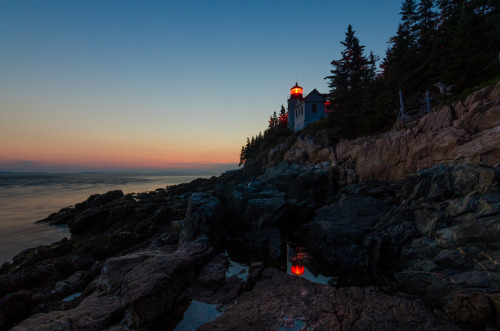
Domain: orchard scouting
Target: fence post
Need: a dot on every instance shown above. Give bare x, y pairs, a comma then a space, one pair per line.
428, 101
402, 111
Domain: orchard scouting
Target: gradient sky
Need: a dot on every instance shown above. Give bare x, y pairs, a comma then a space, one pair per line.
158, 85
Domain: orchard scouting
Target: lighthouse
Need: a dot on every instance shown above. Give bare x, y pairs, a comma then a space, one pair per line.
304, 110
293, 101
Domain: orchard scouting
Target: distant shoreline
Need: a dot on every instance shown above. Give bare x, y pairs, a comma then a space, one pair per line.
162, 173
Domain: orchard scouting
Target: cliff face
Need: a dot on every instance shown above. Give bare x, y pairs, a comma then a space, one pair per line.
464, 132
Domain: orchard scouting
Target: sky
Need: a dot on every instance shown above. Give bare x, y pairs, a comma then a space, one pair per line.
162, 85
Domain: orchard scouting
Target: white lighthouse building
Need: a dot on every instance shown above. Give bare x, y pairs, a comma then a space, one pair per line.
302, 111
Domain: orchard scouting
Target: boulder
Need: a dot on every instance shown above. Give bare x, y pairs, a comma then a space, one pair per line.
98, 200
340, 231
143, 284
87, 219
202, 216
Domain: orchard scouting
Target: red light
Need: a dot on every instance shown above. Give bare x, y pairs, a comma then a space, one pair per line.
297, 270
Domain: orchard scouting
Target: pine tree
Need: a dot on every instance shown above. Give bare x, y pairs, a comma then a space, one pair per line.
408, 20
349, 74
248, 147
349, 84
371, 68
242, 156
282, 110
447, 8
283, 118
426, 21
275, 121
469, 44
405, 53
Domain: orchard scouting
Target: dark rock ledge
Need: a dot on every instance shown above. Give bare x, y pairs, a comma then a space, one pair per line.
427, 245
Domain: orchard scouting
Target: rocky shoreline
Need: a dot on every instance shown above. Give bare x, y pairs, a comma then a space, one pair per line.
427, 245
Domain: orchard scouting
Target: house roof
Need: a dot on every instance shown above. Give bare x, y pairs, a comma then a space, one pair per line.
313, 92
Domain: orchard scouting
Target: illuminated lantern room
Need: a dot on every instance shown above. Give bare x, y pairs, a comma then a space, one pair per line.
296, 91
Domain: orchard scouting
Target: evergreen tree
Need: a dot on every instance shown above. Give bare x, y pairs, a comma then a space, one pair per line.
273, 123
349, 75
371, 68
283, 118
455, 42
447, 8
405, 53
408, 20
350, 82
469, 45
242, 156
282, 110
426, 21
248, 146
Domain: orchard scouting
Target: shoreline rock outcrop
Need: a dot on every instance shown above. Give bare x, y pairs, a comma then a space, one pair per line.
423, 237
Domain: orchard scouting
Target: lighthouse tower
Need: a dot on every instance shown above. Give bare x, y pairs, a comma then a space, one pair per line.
293, 101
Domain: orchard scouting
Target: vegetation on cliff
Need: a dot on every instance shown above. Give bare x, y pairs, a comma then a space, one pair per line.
278, 127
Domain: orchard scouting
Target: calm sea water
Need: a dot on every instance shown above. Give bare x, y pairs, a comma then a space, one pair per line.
27, 198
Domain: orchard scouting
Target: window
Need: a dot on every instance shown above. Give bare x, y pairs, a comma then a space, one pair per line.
314, 108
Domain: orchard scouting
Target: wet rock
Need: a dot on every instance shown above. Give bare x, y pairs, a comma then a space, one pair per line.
202, 216
98, 200
340, 231
122, 211
479, 230
211, 286
33, 255
214, 273
267, 239
271, 204
97, 246
163, 215
282, 301
61, 217
145, 284
254, 273
88, 218
472, 309
15, 306
42, 273
94, 313
70, 285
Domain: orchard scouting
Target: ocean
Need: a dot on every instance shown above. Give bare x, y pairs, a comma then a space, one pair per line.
27, 198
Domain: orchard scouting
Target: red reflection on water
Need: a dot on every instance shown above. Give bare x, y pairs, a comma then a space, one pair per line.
298, 258
297, 269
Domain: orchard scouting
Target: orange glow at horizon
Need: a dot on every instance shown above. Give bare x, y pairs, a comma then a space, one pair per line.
119, 154
149, 149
